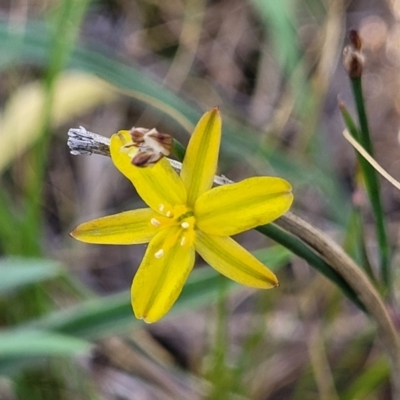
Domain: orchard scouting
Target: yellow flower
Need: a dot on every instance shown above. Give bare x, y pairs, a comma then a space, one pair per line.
186, 215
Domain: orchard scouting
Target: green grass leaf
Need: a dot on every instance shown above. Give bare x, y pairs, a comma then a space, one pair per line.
28, 343
16, 272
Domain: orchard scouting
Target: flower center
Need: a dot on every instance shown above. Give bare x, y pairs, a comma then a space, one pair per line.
182, 221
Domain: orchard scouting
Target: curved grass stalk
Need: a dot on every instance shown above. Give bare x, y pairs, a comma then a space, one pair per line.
358, 281
372, 181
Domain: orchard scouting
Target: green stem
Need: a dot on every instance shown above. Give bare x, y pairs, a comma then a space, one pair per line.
178, 150
219, 374
364, 137
370, 177
297, 247
355, 244
65, 29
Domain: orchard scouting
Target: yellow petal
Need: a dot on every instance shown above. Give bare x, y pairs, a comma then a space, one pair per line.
233, 261
201, 157
231, 209
130, 227
159, 185
161, 276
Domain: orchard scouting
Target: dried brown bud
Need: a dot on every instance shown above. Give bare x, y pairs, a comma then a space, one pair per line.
137, 135
355, 39
163, 139
143, 159
151, 144
353, 58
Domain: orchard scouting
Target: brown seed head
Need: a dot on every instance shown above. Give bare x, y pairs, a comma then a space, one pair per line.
143, 159
353, 58
151, 144
355, 39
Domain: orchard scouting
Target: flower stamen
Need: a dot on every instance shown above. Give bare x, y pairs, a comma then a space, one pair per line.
159, 253
155, 222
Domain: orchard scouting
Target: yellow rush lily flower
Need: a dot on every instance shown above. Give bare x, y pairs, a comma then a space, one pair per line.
185, 215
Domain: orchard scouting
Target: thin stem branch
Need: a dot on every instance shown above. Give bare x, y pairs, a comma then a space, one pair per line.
371, 180
83, 142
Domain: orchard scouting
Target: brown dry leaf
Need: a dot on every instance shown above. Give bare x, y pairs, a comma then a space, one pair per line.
74, 94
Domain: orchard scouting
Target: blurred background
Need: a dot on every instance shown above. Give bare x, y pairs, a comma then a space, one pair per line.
274, 68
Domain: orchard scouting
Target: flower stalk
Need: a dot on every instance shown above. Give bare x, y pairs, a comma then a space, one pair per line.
353, 61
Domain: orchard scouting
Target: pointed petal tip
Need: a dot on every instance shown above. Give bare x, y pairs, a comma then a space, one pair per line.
138, 315
272, 281
215, 110
149, 321
213, 113
144, 317
74, 233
